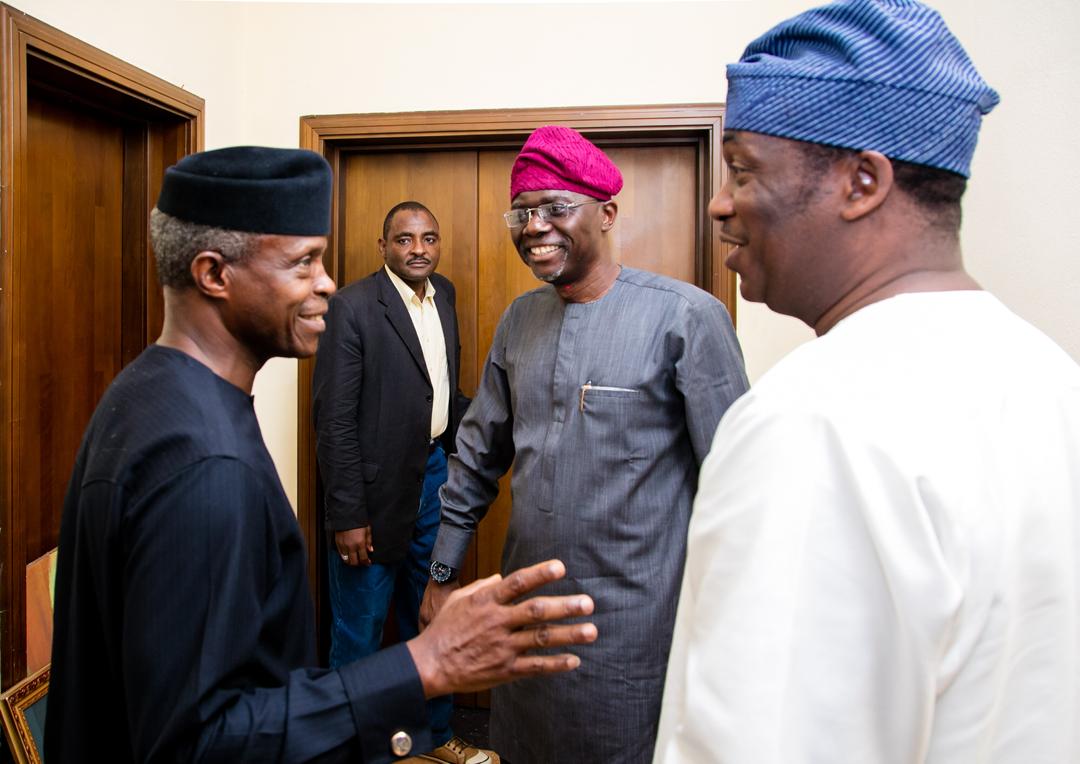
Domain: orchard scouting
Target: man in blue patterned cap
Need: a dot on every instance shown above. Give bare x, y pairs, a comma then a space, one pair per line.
882, 561
183, 628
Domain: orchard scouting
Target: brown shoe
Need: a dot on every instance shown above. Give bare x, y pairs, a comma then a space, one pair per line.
457, 751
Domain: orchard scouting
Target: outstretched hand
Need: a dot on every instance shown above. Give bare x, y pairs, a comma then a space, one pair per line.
482, 637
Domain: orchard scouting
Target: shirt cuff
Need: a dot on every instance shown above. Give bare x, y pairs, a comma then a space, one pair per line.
387, 699
451, 546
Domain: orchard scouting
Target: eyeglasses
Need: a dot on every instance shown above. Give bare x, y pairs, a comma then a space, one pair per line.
552, 211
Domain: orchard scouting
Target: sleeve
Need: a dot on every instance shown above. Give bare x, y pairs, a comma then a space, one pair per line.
709, 372
485, 451
336, 383
814, 608
207, 611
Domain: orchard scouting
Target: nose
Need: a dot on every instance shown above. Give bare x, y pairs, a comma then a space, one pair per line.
722, 206
324, 285
535, 223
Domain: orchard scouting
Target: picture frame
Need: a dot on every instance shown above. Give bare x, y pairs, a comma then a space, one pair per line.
23, 711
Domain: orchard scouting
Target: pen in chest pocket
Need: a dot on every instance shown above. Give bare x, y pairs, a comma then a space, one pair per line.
601, 388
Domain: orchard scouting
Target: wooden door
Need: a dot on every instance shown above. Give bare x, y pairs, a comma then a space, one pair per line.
445, 183
67, 320
458, 164
85, 142
468, 190
655, 230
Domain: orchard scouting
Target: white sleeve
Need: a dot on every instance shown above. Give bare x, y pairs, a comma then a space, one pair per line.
815, 603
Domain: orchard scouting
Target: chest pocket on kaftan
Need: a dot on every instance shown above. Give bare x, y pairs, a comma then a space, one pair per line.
606, 445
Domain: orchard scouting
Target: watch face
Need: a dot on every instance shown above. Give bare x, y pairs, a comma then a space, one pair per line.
441, 572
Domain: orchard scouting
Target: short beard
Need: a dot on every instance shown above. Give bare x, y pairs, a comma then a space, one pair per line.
551, 278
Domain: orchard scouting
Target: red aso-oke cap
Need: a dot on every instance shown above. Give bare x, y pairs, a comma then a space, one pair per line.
561, 159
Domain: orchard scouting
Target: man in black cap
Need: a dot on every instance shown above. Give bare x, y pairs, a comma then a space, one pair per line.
183, 625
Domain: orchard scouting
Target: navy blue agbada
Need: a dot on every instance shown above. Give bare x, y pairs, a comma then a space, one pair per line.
183, 621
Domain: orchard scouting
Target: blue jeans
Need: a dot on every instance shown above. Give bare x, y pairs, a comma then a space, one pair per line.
360, 595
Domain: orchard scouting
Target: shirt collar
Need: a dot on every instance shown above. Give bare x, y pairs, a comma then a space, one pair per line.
406, 291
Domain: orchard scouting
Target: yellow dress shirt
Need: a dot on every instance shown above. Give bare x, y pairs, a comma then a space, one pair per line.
425, 319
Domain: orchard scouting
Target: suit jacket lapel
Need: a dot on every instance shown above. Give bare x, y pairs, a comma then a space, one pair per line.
398, 316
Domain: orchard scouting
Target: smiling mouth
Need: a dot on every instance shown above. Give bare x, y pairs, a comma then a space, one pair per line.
542, 252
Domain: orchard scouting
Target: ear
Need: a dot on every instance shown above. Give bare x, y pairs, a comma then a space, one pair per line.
208, 270
867, 184
610, 211
382, 248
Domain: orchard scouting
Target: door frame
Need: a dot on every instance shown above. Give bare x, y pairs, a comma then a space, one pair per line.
166, 122
639, 126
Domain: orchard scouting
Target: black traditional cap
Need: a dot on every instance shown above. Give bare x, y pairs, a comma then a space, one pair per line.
251, 188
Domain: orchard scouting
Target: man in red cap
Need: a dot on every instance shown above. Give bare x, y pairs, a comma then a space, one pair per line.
604, 388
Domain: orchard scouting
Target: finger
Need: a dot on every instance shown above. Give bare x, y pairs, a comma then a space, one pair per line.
525, 580
537, 610
553, 636
532, 665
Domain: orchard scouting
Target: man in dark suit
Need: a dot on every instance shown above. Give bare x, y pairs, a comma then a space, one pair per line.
386, 407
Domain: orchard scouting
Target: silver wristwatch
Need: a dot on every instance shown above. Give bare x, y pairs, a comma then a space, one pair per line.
441, 572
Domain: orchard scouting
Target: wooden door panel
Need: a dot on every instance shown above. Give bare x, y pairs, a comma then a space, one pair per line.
656, 229
67, 302
670, 156
502, 277
445, 182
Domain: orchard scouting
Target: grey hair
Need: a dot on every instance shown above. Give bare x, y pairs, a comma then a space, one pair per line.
176, 242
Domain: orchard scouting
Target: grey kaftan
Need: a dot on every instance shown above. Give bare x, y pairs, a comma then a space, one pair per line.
604, 480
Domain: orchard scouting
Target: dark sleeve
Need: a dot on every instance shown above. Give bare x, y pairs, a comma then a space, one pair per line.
339, 371
212, 643
709, 372
485, 451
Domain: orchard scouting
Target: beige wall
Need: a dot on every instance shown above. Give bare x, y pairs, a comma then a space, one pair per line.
262, 65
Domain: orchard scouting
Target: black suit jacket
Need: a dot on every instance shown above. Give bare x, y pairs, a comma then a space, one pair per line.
371, 404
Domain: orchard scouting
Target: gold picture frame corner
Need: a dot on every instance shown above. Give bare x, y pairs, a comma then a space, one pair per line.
14, 707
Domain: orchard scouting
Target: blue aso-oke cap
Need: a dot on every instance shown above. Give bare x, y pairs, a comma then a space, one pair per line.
878, 75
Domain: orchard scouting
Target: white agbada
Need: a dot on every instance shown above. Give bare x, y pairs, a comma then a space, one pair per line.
883, 553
